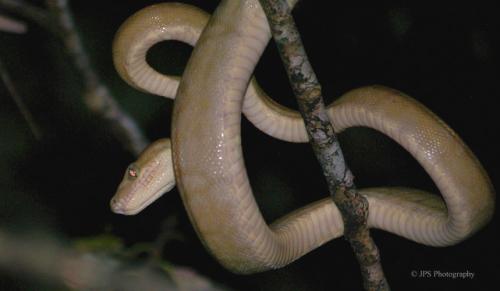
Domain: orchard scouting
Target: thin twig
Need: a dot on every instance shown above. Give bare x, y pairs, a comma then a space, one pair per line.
4, 75
48, 260
30, 12
97, 95
352, 206
8, 24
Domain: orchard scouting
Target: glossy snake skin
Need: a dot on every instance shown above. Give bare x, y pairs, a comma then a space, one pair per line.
207, 155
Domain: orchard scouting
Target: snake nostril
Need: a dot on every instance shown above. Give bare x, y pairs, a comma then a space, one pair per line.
115, 206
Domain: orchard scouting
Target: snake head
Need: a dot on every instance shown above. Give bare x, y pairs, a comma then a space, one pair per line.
145, 180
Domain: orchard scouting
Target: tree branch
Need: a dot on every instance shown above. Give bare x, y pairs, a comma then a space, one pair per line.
48, 260
97, 95
30, 12
352, 206
8, 24
5, 77
59, 21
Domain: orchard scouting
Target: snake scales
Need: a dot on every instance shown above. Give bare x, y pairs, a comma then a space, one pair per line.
207, 155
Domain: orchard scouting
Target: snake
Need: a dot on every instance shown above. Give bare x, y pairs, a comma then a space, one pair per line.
204, 156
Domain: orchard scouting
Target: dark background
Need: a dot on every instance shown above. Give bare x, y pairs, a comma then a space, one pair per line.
446, 57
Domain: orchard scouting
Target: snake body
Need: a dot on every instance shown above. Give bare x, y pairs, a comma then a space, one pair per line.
209, 167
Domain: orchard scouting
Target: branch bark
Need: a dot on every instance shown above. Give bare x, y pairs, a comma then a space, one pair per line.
340, 180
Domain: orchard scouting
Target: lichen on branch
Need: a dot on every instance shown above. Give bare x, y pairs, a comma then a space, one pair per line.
305, 85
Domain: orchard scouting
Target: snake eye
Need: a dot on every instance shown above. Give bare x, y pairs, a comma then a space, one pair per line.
132, 171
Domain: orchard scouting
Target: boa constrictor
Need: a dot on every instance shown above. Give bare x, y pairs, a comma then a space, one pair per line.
207, 155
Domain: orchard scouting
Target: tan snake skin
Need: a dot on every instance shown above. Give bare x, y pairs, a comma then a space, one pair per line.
207, 155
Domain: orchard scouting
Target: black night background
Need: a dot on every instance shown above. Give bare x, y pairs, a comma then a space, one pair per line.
447, 57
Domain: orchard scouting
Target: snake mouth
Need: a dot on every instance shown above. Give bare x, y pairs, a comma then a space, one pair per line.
122, 207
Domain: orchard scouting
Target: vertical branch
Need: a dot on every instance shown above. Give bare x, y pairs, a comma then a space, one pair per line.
97, 95
352, 206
